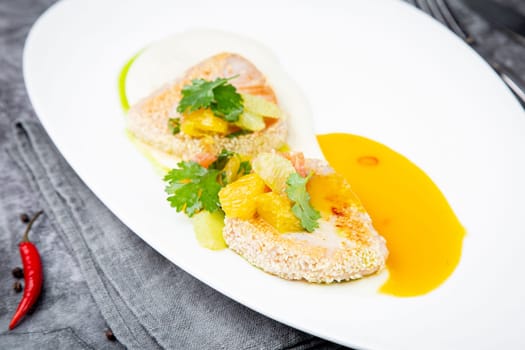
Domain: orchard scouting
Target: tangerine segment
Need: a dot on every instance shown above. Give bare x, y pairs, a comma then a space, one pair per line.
238, 198
202, 122
276, 209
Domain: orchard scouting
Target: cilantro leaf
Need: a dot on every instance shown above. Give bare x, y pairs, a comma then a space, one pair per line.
192, 188
186, 199
238, 133
221, 160
218, 95
227, 103
185, 172
198, 95
210, 193
296, 191
174, 125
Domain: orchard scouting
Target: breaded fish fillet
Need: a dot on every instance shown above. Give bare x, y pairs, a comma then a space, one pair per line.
344, 247
148, 119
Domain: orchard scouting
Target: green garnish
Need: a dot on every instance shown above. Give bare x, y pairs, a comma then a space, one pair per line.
296, 191
228, 103
238, 133
193, 188
221, 160
244, 168
123, 75
174, 125
218, 95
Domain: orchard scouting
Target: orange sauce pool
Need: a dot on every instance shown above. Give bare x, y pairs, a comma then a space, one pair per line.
423, 234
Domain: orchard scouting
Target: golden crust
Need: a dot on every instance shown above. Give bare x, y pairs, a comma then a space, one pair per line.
295, 257
345, 246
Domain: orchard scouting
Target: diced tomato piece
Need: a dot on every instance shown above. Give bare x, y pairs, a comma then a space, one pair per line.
205, 159
298, 162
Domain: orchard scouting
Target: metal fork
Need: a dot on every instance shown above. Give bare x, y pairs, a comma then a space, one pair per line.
440, 10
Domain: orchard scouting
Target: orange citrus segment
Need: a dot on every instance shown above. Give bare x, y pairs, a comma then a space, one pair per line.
238, 198
202, 122
276, 209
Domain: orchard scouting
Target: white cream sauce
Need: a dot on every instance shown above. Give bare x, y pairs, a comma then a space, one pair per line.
325, 235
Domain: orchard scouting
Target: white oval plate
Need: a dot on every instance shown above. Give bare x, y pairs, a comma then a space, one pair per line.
375, 68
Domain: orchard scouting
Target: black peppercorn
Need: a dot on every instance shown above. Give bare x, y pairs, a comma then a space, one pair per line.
109, 335
17, 286
24, 218
18, 272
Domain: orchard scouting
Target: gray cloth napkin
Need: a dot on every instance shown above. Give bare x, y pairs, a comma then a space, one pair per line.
147, 301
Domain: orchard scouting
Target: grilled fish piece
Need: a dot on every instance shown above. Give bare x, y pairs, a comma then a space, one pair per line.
344, 247
148, 119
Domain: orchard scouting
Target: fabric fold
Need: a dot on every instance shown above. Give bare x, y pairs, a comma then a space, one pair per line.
52, 179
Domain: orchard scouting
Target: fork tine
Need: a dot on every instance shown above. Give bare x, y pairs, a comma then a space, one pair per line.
450, 20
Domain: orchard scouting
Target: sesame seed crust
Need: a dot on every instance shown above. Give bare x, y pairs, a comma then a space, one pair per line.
344, 247
149, 118
294, 258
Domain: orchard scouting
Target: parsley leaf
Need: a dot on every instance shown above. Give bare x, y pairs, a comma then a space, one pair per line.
174, 125
198, 95
218, 95
210, 191
296, 191
227, 103
192, 188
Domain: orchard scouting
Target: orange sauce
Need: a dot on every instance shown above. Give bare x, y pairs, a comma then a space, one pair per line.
423, 234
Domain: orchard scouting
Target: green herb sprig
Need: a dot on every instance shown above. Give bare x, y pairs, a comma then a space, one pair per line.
192, 188
302, 209
218, 95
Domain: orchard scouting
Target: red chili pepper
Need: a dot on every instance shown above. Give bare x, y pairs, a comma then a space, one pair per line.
33, 275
